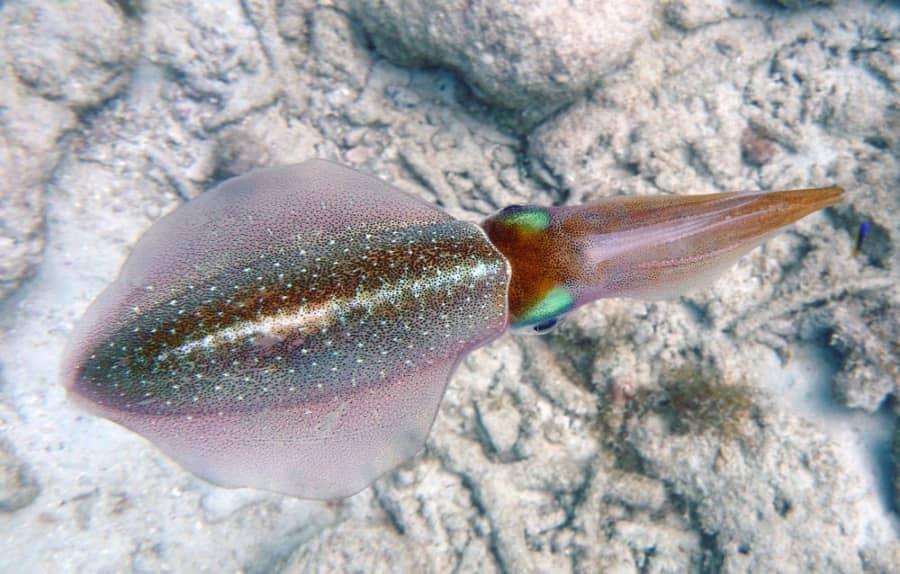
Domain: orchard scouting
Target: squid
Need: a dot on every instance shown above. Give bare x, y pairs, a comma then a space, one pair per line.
294, 328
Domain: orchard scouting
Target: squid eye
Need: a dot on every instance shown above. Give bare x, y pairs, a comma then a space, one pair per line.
546, 326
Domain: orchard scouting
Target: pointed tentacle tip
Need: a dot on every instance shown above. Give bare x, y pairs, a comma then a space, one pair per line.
825, 196
795, 204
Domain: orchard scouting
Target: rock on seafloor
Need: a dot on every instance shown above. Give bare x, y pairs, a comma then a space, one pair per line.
748, 427
545, 53
53, 68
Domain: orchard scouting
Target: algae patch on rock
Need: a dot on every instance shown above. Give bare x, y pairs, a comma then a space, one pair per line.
696, 400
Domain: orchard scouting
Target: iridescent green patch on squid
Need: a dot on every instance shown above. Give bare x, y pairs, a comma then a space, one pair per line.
525, 218
557, 301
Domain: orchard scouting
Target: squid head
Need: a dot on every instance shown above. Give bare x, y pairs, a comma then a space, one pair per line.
649, 247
